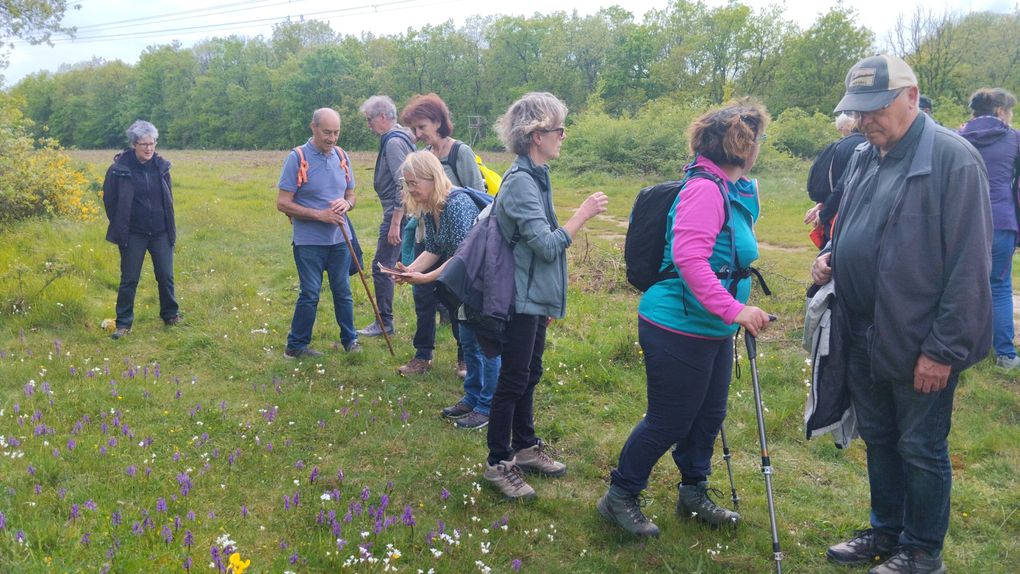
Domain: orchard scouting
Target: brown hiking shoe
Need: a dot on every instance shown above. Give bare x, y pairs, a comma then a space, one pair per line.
867, 546
538, 460
415, 366
624, 509
120, 333
507, 477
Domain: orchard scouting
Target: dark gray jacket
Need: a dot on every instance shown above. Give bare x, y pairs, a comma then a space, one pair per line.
119, 193
932, 292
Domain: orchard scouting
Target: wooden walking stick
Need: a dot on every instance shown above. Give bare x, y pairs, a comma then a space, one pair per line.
361, 273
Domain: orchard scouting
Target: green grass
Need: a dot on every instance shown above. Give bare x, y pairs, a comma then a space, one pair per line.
223, 395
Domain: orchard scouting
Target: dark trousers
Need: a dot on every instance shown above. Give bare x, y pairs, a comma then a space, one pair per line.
907, 434
131, 257
511, 417
688, 383
386, 255
426, 303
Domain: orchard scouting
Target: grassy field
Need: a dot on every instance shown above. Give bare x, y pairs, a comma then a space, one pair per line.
156, 452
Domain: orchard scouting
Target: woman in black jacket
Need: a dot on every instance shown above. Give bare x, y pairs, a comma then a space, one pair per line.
138, 198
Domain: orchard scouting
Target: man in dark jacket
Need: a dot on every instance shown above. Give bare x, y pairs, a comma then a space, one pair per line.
139, 203
829, 190
910, 257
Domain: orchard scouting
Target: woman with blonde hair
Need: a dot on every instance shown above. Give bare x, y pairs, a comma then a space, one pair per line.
533, 129
686, 323
446, 214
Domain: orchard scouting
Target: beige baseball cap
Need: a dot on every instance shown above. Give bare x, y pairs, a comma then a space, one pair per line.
872, 83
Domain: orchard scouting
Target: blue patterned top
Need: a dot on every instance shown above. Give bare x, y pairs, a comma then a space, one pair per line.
455, 221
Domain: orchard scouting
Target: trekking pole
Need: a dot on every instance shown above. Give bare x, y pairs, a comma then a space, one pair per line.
766, 463
361, 273
729, 467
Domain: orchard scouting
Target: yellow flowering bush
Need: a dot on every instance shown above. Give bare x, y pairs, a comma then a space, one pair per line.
38, 180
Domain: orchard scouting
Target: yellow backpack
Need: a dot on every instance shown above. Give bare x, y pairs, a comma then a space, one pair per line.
492, 179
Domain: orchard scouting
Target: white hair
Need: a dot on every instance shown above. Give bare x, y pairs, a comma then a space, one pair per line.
379, 106
139, 130
845, 122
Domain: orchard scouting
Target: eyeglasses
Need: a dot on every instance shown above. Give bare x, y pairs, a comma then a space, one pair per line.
145, 144
857, 115
560, 130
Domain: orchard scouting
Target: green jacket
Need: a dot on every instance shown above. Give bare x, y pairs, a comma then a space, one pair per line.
524, 203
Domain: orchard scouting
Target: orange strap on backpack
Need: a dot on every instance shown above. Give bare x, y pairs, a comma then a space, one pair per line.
302, 174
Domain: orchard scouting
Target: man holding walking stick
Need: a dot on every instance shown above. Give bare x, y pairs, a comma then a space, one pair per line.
910, 258
316, 190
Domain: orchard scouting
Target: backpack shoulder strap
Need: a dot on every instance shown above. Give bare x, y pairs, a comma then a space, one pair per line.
344, 165
451, 159
302, 174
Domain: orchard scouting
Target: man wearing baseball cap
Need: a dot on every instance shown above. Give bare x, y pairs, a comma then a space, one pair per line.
910, 255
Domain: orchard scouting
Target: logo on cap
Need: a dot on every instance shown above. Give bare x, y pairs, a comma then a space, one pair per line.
862, 78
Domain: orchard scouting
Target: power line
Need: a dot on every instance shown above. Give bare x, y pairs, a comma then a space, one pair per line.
182, 15
393, 5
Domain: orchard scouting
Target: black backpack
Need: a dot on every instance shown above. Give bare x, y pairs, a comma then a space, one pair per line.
819, 180
646, 233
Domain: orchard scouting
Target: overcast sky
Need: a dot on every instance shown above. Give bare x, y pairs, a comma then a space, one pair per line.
121, 29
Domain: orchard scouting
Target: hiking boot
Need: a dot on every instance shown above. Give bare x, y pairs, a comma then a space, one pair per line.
415, 366
538, 460
461, 368
695, 502
461, 409
374, 330
910, 560
866, 546
473, 420
1004, 362
508, 478
353, 347
624, 509
120, 332
175, 320
306, 353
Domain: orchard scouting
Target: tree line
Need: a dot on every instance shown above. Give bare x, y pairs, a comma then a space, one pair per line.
248, 93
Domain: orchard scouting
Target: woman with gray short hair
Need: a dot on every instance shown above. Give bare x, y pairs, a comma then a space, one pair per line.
138, 198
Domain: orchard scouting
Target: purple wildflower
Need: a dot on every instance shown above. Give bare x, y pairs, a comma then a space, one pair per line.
244, 511
38, 489
74, 511
191, 515
408, 516
161, 504
31, 470
71, 443
188, 538
365, 493
85, 539
62, 493
187, 561
515, 564
294, 558
299, 464
3, 520
166, 534
137, 529
314, 475
20, 537
444, 494
56, 453
115, 518
177, 522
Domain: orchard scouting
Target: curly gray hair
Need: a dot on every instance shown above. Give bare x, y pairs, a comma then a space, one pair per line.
139, 130
533, 111
379, 106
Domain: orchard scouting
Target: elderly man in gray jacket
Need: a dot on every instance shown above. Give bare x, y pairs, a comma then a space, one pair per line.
910, 256
395, 142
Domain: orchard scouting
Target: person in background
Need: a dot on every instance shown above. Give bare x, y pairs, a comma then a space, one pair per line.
533, 129
139, 202
924, 103
999, 145
910, 258
395, 142
429, 119
317, 208
686, 324
828, 191
446, 214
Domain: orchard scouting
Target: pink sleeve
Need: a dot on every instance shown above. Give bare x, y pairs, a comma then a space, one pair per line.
699, 218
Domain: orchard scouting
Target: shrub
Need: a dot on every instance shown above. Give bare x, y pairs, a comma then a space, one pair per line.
37, 182
800, 134
651, 142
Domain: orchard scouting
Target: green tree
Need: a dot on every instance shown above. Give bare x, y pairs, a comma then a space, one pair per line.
33, 21
811, 73
164, 79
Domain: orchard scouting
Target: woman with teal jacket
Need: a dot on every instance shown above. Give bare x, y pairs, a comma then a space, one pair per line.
686, 324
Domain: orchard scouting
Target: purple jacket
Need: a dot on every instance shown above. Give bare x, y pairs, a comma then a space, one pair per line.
999, 146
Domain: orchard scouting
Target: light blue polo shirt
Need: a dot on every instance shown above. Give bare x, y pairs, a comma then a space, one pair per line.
326, 182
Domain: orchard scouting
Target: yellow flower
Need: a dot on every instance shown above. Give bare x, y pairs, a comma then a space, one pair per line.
236, 565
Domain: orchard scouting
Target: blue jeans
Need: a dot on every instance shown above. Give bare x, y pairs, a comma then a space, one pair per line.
131, 257
688, 384
1003, 245
482, 372
906, 435
312, 261
386, 255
